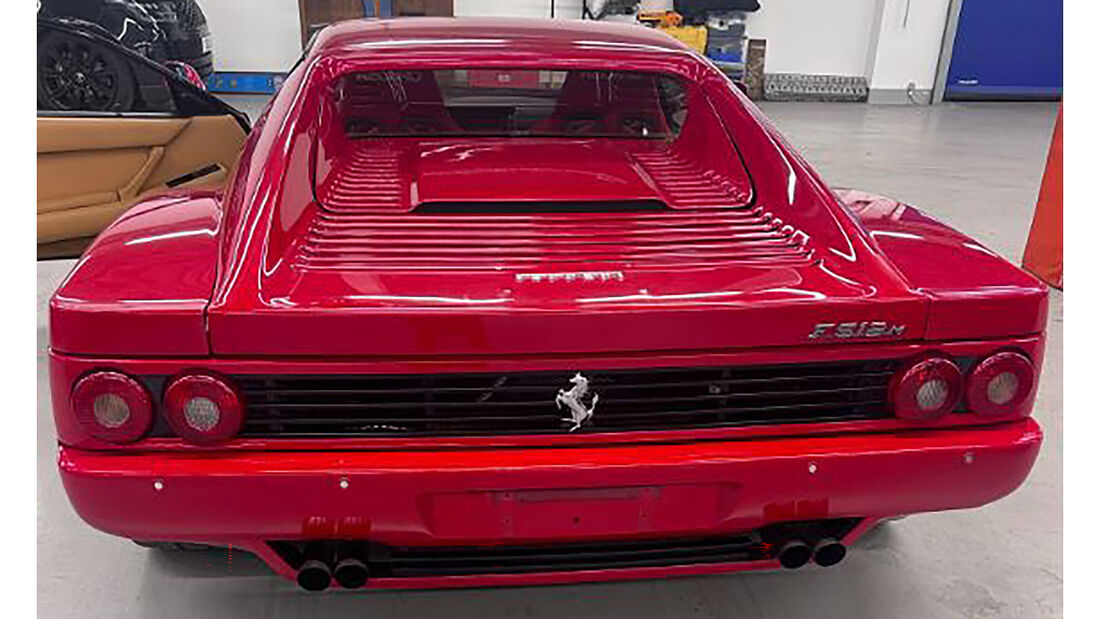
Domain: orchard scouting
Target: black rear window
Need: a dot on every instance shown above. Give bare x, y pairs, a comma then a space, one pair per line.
511, 102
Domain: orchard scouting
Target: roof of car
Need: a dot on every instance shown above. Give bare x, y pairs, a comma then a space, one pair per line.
420, 33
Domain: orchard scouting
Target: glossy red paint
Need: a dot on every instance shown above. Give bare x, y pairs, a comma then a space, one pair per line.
143, 286
990, 297
407, 310
295, 269
441, 498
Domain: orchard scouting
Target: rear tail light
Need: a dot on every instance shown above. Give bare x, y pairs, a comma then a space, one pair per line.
1000, 385
926, 389
112, 406
203, 409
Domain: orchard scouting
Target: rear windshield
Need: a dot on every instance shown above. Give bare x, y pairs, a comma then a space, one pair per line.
511, 102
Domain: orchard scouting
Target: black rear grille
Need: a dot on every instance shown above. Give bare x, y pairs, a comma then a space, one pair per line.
465, 561
422, 561
524, 402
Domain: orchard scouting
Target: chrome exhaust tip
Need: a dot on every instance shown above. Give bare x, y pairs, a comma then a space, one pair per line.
314, 575
828, 552
351, 573
794, 554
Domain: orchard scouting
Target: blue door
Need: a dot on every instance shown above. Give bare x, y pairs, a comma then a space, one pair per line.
1007, 49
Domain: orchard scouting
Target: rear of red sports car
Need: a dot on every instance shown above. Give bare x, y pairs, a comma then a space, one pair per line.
508, 302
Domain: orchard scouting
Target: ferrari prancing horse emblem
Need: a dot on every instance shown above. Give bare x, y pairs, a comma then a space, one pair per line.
574, 399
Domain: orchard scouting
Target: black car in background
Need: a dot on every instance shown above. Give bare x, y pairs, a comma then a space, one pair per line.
160, 30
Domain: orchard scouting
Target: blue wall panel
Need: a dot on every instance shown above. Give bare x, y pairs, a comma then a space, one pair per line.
1007, 49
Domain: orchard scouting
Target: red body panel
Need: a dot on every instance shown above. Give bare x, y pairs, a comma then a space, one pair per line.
1002, 298
483, 308
317, 261
157, 262
523, 495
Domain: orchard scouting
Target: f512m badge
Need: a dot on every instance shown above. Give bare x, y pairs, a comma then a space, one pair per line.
867, 329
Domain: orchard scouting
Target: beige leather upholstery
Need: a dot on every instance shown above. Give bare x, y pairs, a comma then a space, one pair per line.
90, 170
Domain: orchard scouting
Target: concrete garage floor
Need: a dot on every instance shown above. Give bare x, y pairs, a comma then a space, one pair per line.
977, 166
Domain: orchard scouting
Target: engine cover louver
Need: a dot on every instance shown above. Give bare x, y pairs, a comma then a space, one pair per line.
366, 223
355, 240
687, 183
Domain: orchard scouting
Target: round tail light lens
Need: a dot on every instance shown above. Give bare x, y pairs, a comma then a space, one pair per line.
926, 389
112, 406
203, 409
1000, 385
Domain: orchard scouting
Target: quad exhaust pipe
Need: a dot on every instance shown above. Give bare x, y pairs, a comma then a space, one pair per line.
794, 554
829, 552
826, 552
350, 573
323, 564
314, 575
346, 563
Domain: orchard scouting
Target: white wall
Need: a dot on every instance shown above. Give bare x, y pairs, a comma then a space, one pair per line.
254, 35
564, 9
815, 37
265, 35
890, 42
908, 44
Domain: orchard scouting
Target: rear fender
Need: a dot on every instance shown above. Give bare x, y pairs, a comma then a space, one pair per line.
143, 286
972, 291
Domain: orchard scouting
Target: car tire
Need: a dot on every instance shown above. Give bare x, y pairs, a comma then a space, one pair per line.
75, 74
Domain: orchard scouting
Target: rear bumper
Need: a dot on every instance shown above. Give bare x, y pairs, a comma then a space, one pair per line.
514, 496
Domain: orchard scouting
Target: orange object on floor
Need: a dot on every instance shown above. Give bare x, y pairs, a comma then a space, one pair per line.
1043, 255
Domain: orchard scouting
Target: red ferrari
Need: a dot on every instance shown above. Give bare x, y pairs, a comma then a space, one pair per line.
495, 302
